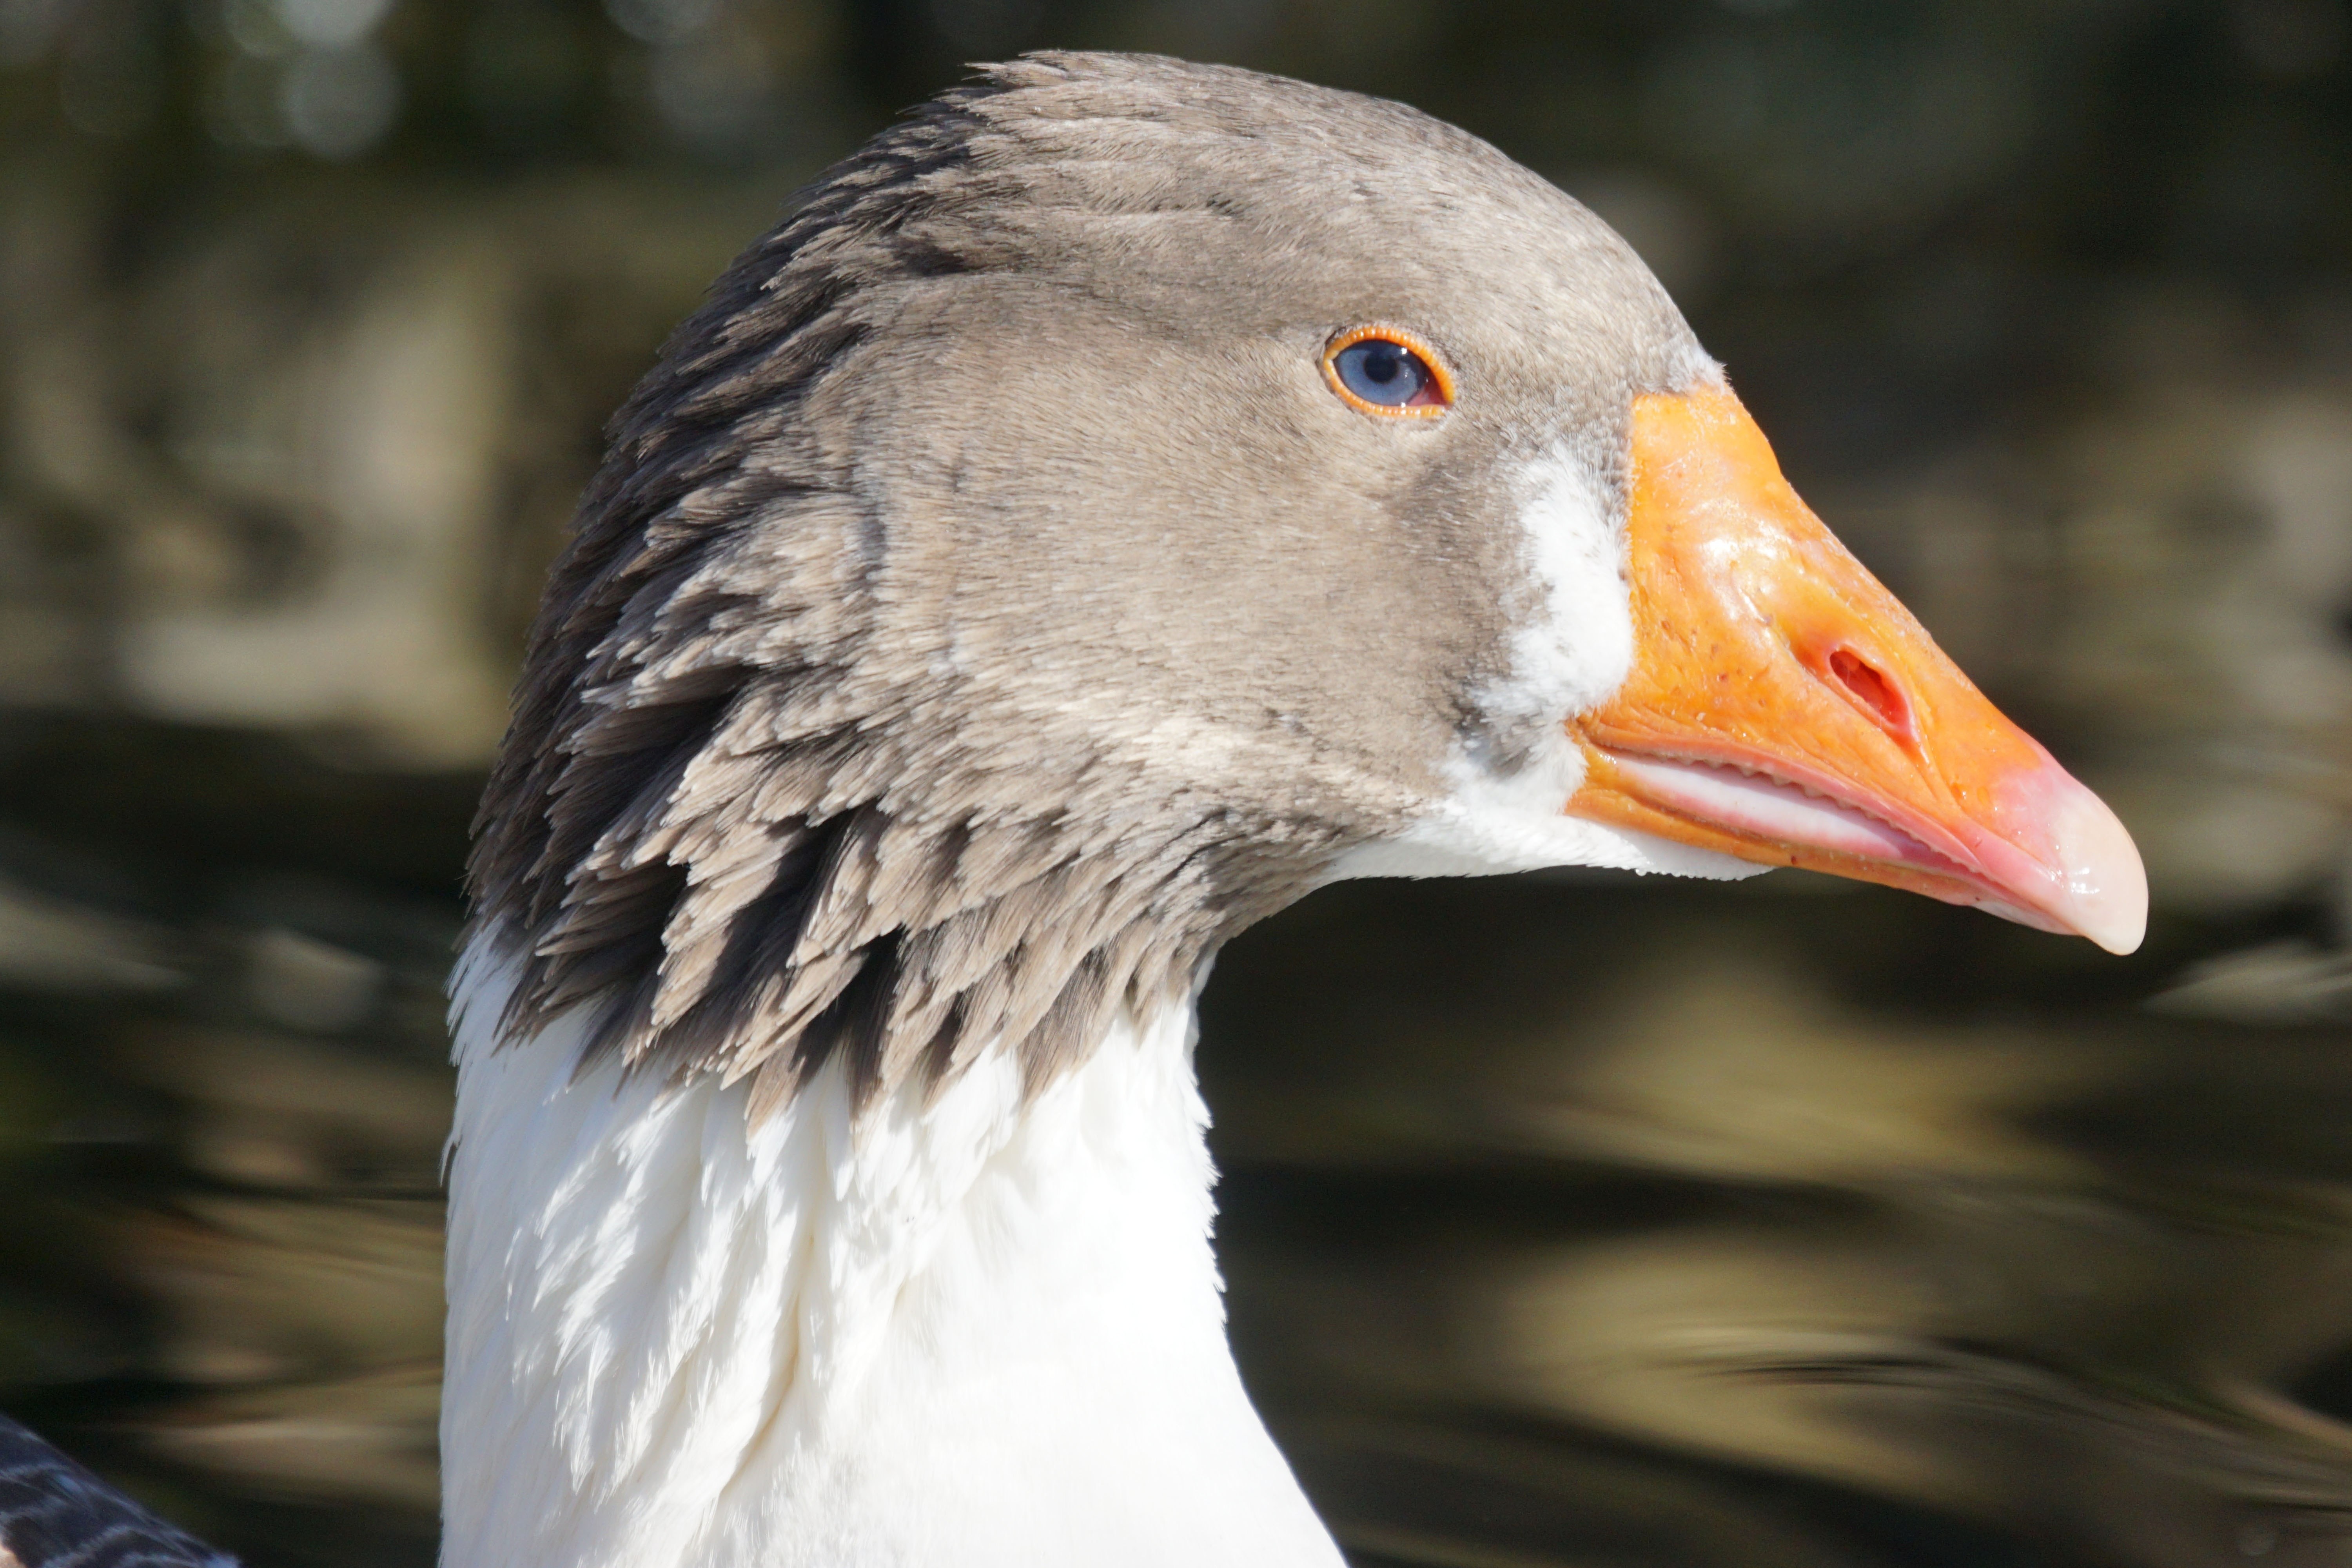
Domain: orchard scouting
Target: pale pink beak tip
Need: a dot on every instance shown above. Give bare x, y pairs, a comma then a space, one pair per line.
2105, 892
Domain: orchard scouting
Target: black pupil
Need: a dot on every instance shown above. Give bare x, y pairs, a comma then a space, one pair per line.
1380, 372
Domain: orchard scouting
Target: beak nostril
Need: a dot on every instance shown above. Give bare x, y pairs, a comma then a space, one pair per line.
1878, 696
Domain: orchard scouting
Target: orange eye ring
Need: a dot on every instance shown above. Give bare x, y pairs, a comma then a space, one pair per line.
1429, 400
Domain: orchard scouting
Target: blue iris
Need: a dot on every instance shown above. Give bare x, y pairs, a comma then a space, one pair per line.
1386, 374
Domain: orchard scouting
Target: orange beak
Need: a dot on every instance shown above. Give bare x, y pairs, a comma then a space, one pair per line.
1785, 708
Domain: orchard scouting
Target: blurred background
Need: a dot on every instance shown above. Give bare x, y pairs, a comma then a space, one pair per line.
1568, 1221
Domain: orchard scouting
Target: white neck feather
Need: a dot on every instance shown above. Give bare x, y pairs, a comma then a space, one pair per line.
969, 1335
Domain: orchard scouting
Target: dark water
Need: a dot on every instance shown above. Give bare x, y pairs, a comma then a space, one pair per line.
1568, 1221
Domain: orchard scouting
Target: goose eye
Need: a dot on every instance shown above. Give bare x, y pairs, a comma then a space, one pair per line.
1381, 369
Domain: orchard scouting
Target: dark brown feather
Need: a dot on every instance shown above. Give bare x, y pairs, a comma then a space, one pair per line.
56, 1514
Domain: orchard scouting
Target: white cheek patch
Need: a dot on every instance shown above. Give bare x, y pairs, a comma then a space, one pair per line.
1578, 648
1572, 652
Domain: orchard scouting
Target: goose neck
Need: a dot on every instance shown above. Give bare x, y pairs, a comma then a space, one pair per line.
972, 1325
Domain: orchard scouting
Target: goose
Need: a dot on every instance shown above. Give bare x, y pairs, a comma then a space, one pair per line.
1122, 497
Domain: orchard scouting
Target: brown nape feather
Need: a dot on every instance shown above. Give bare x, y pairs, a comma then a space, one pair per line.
912, 682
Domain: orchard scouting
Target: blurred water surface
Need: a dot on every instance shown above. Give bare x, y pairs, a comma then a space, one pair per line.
1567, 1221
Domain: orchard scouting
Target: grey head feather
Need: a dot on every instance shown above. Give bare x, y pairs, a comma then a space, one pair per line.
984, 610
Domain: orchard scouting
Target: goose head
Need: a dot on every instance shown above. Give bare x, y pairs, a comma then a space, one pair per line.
1128, 495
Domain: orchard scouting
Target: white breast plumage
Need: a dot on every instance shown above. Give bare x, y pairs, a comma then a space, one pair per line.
943, 1332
